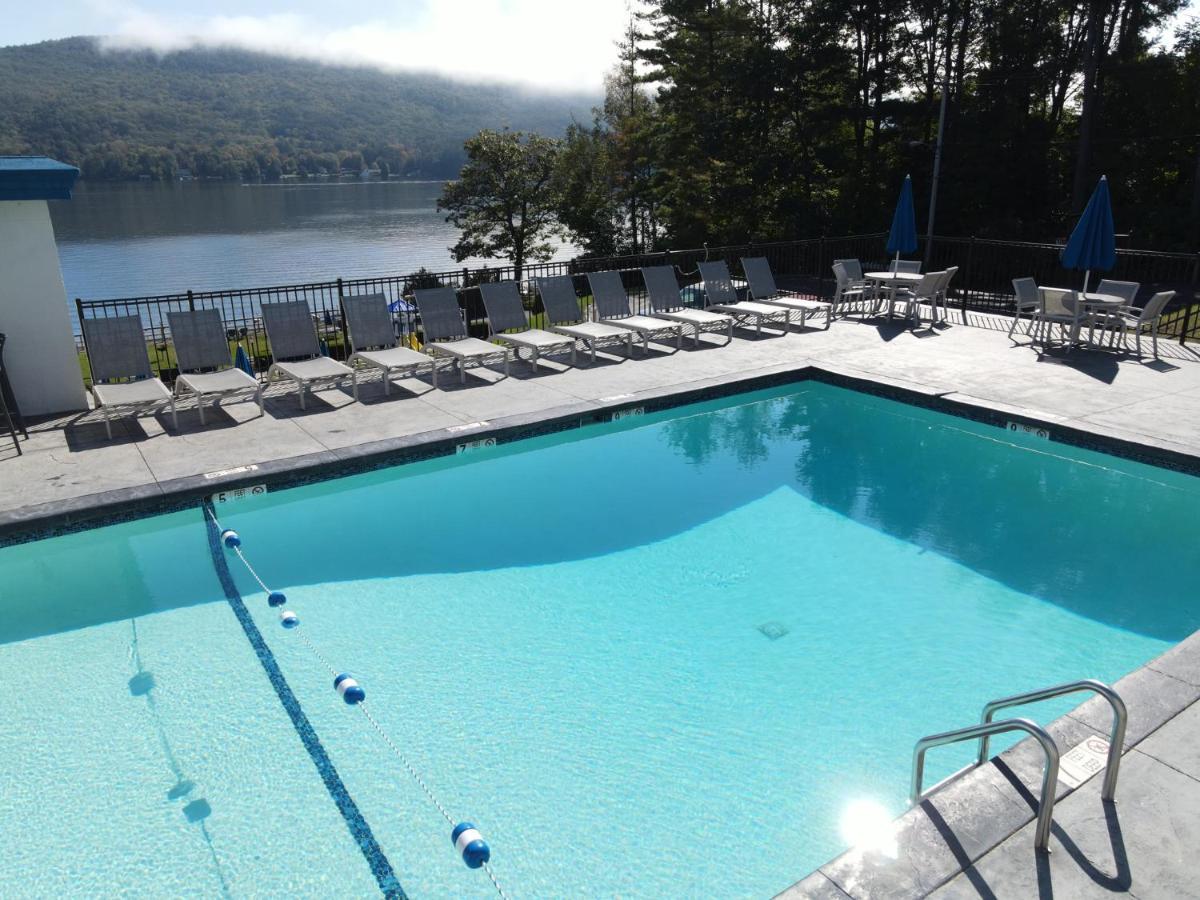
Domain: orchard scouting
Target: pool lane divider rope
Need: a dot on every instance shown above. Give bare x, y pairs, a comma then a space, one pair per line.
468, 842
385, 876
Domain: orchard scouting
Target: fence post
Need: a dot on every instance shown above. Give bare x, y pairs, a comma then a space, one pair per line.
191, 301
1187, 317
342, 321
821, 267
967, 276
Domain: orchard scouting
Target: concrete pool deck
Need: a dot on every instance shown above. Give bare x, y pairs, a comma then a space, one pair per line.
971, 838
68, 463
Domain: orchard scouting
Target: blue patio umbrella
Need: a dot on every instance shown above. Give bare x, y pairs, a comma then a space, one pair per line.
903, 236
1093, 244
242, 360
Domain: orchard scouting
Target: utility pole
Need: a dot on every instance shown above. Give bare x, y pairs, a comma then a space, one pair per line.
937, 163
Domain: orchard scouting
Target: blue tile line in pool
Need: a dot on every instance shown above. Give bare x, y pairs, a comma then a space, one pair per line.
389, 884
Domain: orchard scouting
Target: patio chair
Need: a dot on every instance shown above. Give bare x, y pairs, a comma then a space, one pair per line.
1057, 306
612, 308
509, 325
721, 296
912, 266
941, 296
446, 332
373, 341
205, 364
663, 289
120, 365
1130, 318
1126, 290
762, 289
1025, 300
854, 271
295, 348
925, 290
563, 314
846, 290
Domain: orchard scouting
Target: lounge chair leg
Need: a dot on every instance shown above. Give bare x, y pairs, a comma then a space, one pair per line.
572, 353
433, 371
107, 423
302, 388
506, 355
591, 345
262, 410
199, 406
462, 371
387, 383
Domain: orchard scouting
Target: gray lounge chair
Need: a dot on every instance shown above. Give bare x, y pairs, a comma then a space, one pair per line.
120, 365
763, 289
720, 296
446, 332
295, 348
508, 324
612, 308
663, 289
563, 314
205, 366
373, 341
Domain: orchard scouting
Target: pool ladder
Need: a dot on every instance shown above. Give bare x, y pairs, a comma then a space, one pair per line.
986, 728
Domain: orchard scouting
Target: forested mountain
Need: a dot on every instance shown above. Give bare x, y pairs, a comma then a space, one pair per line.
235, 114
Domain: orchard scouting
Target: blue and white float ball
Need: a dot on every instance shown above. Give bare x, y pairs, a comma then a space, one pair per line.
349, 689
470, 845
276, 598
288, 619
230, 539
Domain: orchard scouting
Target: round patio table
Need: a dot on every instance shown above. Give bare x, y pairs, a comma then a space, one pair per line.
892, 281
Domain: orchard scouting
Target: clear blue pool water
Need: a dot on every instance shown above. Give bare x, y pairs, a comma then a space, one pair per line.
657, 658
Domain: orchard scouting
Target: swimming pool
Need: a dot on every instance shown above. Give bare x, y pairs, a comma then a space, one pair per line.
660, 657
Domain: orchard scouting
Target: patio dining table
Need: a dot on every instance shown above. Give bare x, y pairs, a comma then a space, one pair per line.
892, 281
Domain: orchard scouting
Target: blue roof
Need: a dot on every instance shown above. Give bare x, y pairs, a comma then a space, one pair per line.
35, 178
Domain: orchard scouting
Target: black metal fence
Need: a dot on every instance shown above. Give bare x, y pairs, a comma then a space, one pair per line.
240, 308
983, 282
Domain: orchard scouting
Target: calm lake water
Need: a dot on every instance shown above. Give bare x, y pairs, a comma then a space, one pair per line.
136, 239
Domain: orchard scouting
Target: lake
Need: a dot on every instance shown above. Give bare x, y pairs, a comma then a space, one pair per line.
124, 240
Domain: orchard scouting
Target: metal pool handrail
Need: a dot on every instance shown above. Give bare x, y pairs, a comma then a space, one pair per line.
1116, 738
1049, 770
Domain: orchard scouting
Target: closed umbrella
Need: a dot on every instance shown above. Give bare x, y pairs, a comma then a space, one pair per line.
903, 236
1093, 244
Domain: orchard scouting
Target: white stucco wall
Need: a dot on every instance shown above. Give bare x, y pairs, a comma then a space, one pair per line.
40, 353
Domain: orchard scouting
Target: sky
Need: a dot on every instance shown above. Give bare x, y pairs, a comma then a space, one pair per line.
563, 45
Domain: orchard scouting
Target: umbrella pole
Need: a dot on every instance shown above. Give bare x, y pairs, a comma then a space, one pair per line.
897, 266
1087, 273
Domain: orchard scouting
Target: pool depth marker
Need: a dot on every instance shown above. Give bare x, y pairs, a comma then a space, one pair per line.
385, 876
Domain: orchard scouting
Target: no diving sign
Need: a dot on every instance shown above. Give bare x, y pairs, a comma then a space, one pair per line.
236, 494
1083, 761
1032, 430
